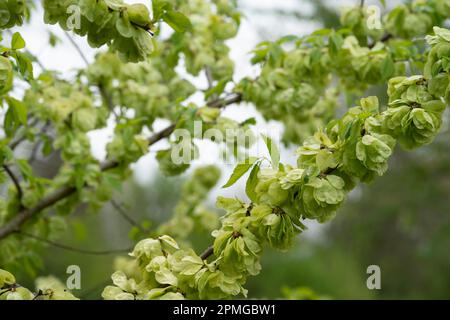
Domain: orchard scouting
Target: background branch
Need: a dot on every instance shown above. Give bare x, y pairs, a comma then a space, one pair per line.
24, 215
209, 78
15, 181
15, 143
124, 215
37, 145
69, 248
77, 47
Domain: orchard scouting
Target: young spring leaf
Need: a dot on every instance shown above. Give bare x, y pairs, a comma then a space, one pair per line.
240, 170
24, 63
158, 8
17, 42
252, 182
178, 21
273, 151
387, 67
218, 89
15, 116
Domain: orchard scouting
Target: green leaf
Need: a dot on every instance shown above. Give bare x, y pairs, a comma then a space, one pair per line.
336, 42
273, 151
387, 67
239, 171
168, 241
178, 21
124, 27
113, 181
47, 147
9, 123
53, 39
322, 32
17, 42
288, 38
25, 65
251, 183
25, 169
275, 54
218, 89
249, 121
4, 14
19, 109
158, 8
442, 32
16, 115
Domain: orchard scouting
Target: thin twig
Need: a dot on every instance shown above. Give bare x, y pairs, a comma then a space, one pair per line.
207, 253
15, 143
77, 47
38, 61
384, 38
107, 98
35, 150
209, 78
231, 99
124, 215
15, 181
70, 248
105, 94
38, 294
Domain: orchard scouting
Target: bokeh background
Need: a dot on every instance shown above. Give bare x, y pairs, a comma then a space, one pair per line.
400, 223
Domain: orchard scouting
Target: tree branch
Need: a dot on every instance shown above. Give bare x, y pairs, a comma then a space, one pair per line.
124, 215
384, 38
14, 224
15, 181
207, 253
209, 78
24, 215
77, 47
107, 98
15, 143
69, 248
220, 103
35, 150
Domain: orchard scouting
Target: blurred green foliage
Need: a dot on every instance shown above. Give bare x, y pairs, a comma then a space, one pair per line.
401, 223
